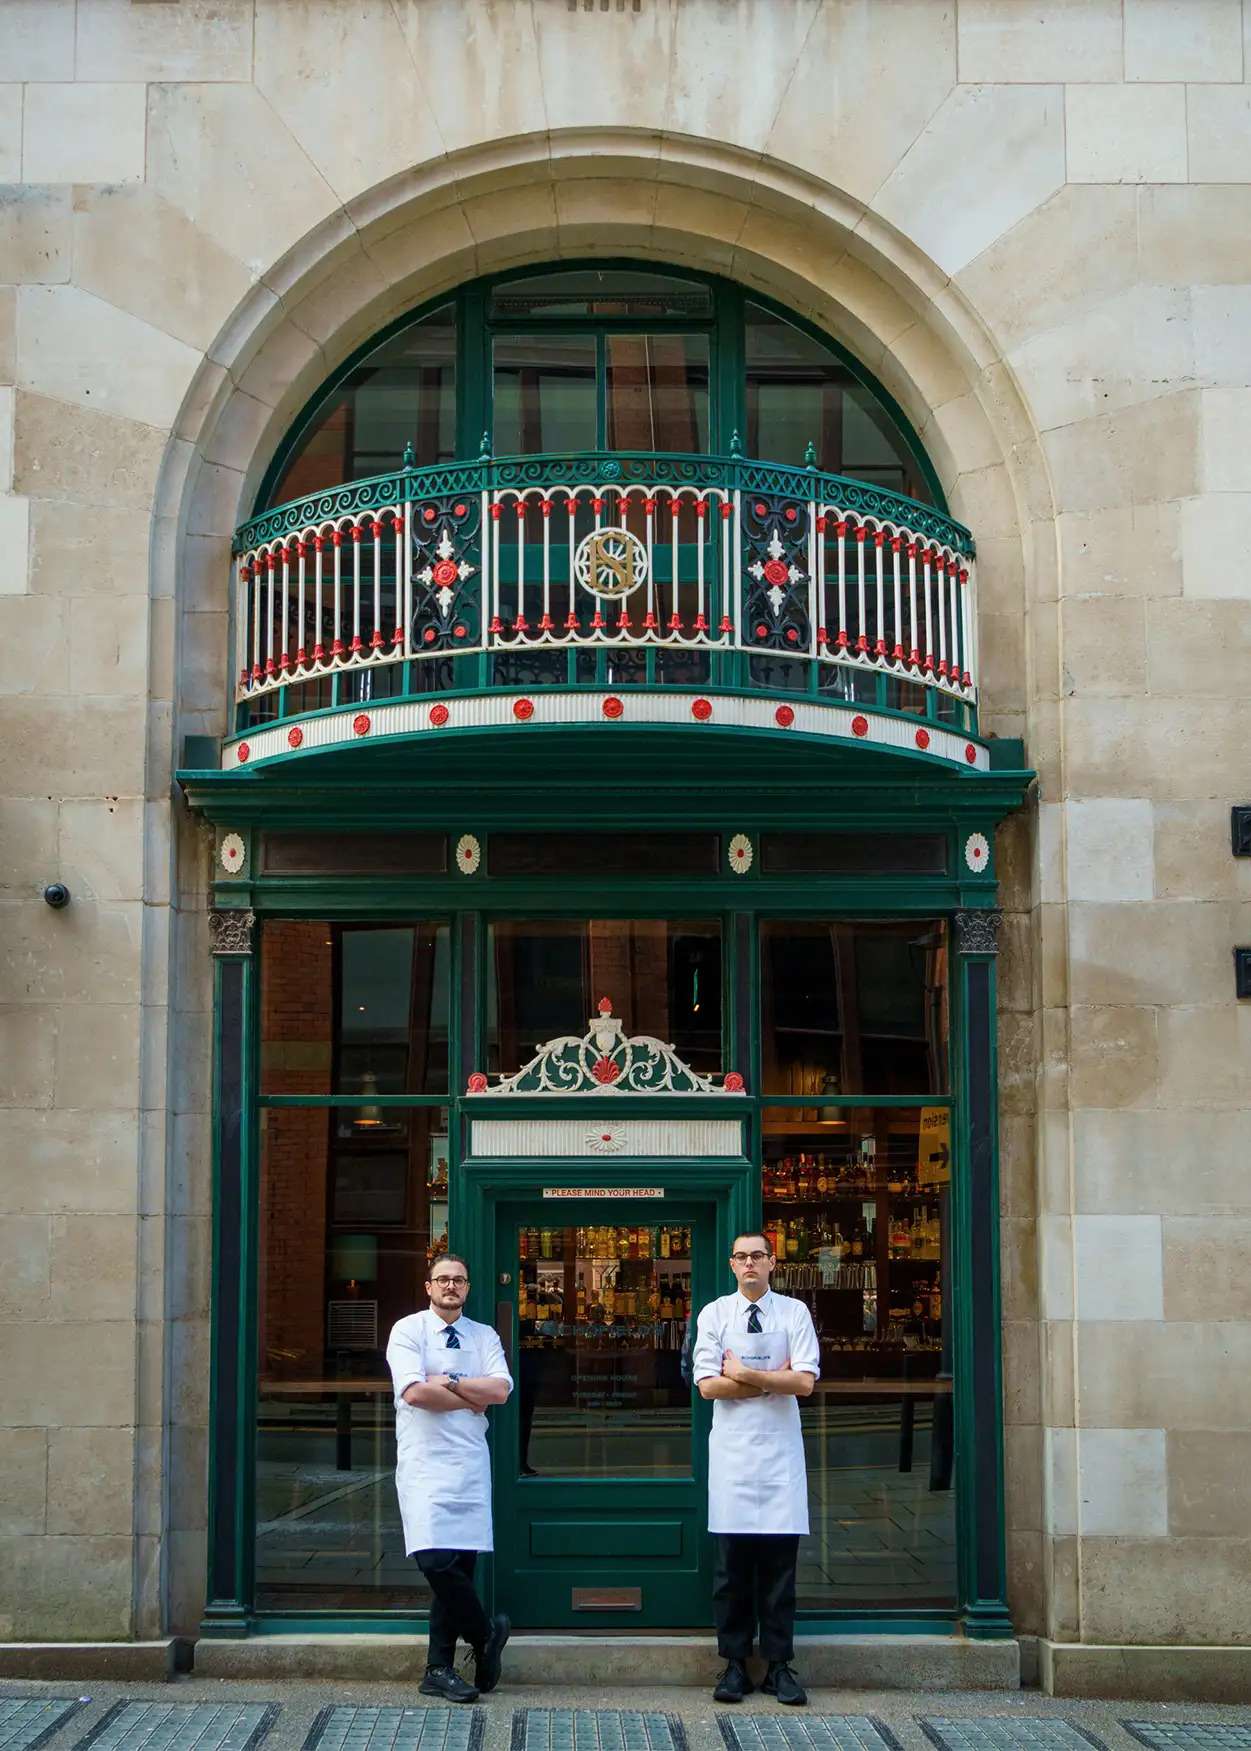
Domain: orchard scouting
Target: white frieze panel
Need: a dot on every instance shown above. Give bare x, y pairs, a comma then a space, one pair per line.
563, 1138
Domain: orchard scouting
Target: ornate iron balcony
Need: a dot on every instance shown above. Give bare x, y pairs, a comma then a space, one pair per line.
664, 573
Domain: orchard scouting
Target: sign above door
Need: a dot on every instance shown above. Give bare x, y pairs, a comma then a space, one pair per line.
605, 1060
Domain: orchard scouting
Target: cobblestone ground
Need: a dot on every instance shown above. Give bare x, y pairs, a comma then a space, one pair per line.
227, 1719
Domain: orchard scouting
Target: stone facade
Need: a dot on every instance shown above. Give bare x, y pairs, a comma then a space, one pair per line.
1032, 222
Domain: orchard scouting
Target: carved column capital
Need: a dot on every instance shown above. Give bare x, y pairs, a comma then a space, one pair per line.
231, 933
977, 933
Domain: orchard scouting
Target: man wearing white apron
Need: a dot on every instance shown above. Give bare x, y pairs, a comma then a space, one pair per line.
447, 1369
756, 1354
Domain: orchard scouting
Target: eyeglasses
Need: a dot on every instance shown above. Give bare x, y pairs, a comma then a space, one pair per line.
747, 1258
450, 1282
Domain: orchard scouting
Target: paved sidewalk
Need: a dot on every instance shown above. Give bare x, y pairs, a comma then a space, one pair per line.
297, 1706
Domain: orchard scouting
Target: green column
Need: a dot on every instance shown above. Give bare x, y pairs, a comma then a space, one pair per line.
232, 1394
979, 1383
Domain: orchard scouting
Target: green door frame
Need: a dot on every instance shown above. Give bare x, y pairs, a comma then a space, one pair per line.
490, 1186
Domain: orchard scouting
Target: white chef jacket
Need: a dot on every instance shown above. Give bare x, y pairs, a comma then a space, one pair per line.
443, 1466
757, 1481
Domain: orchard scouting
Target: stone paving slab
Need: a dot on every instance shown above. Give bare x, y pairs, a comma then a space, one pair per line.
806, 1733
181, 1726
353, 1727
26, 1721
1006, 1733
596, 1729
1191, 1735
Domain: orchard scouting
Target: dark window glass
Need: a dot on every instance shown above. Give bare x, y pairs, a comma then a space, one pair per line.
353, 1203
799, 391
657, 392
857, 1213
403, 392
354, 853
607, 292
603, 854
853, 854
662, 977
853, 1008
544, 393
352, 1009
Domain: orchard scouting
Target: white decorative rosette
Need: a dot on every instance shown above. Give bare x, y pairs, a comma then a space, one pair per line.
605, 1140
232, 854
977, 853
742, 853
468, 854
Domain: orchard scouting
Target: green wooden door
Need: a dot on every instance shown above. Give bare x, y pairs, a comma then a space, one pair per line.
600, 1455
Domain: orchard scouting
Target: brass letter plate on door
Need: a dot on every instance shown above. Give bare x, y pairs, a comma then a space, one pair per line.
606, 1599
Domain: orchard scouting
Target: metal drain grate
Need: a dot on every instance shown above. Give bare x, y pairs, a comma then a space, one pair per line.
26, 1721
181, 1726
1191, 1735
1007, 1733
596, 1729
344, 1727
806, 1733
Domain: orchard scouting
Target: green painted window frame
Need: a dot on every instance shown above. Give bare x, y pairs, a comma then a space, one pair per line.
475, 329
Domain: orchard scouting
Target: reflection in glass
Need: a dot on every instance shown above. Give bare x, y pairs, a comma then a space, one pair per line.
857, 1211
799, 391
544, 394
663, 977
602, 292
402, 392
353, 1201
604, 1377
657, 392
853, 1008
354, 1009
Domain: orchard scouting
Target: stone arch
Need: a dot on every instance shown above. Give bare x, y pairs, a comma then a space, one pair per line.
769, 225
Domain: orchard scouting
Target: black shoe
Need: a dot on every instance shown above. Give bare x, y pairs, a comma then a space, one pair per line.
486, 1670
781, 1682
442, 1681
733, 1684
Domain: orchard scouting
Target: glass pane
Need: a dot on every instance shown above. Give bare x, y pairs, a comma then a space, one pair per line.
857, 1210
853, 1008
601, 292
544, 393
799, 391
403, 392
353, 1009
657, 392
662, 976
353, 1201
604, 1377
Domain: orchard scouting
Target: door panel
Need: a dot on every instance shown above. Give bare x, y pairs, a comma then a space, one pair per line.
601, 1453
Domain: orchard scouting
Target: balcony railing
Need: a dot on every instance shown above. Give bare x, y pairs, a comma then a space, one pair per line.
625, 569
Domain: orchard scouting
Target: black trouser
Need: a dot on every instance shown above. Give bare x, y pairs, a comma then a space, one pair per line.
754, 1582
456, 1609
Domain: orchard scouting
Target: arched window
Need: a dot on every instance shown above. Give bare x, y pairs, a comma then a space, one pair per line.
614, 357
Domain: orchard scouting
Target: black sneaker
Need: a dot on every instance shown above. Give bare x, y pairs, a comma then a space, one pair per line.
486, 1670
781, 1682
733, 1684
442, 1681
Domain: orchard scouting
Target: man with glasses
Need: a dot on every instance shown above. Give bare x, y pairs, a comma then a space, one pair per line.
447, 1369
756, 1355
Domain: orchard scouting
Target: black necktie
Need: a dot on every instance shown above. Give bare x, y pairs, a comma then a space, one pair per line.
453, 1342
753, 1319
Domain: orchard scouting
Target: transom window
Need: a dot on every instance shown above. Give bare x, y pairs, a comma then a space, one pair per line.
613, 357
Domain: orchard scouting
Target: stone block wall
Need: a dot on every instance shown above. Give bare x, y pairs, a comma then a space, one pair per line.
1033, 223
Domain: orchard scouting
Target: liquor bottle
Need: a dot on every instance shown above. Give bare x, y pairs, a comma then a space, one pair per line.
608, 1295
523, 1243
645, 1243
666, 1298
679, 1300
857, 1241
803, 1185
823, 1177
664, 1243
580, 1304
546, 1243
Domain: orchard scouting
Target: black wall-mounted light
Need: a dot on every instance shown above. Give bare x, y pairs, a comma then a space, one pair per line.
1240, 829
1242, 972
57, 895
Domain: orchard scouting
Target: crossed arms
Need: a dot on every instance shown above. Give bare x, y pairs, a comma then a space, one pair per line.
738, 1381
438, 1393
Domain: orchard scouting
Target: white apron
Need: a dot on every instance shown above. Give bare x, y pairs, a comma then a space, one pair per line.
443, 1465
757, 1480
